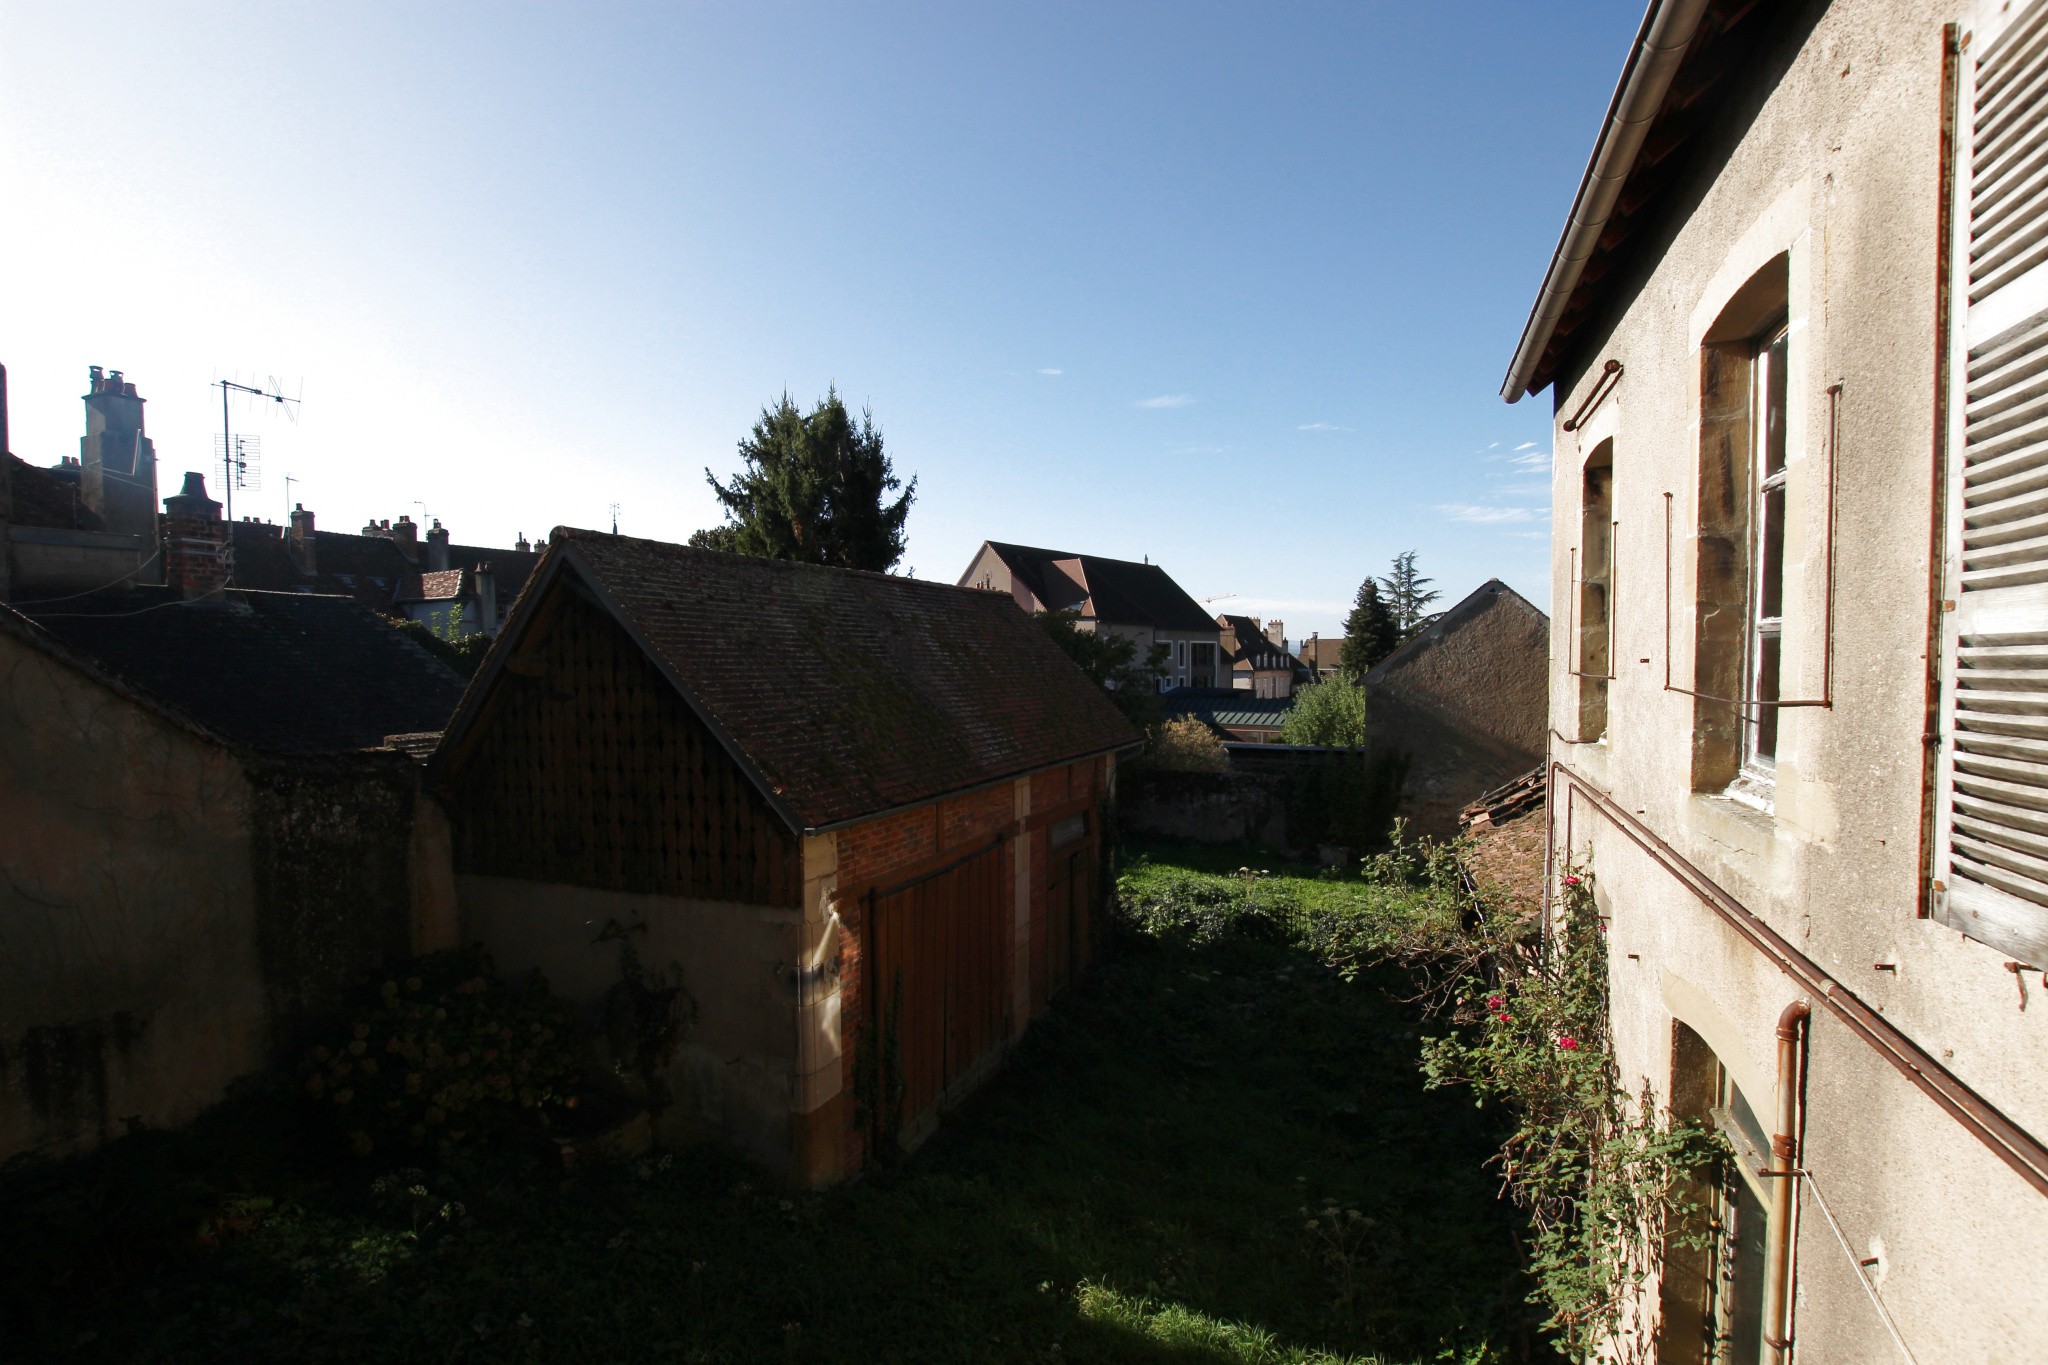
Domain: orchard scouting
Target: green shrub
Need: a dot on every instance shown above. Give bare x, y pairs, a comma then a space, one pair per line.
443, 1053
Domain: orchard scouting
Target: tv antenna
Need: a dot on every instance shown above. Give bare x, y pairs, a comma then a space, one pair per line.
615, 518
239, 464
289, 480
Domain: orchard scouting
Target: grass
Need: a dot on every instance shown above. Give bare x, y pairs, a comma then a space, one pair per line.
1209, 1152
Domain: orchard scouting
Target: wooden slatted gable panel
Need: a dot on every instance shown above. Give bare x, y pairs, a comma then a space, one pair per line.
1991, 848
586, 767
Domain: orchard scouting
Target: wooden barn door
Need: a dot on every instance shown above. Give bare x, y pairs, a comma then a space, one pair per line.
936, 989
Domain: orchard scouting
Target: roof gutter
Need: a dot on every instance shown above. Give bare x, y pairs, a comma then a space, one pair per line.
1660, 45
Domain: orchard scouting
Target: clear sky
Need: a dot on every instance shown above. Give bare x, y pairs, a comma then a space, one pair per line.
1231, 286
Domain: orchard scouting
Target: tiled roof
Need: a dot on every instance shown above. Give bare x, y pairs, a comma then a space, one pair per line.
286, 673
848, 693
42, 498
441, 586
1113, 590
1225, 708
510, 567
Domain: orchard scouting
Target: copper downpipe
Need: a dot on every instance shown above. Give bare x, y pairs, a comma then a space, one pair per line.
1793, 1025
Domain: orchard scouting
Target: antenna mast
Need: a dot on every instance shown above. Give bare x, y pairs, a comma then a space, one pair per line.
236, 468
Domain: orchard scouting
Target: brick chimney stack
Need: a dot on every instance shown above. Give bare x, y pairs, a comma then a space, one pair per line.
195, 541
437, 547
305, 556
521, 545
1276, 632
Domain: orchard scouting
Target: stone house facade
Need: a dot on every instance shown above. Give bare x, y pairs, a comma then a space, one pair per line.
1792, 333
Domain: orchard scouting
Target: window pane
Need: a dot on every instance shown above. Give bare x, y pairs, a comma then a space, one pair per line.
1771, 554
1774, 406
1767, 691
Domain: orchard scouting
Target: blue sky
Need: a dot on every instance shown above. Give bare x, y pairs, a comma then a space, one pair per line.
1231, 286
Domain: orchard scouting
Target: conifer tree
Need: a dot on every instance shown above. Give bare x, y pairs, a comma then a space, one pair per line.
1408, 595
813, 490
1370, 631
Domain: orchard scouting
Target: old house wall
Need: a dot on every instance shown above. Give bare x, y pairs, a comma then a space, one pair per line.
1823, 165
1465, 706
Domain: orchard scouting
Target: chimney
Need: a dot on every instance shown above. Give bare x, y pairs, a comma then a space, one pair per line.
1276, 631
195, 541
437, 547
406, 535
486, 600
118, 479
521, 545
304, 551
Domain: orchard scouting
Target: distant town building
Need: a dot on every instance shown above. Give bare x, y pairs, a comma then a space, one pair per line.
1136, 601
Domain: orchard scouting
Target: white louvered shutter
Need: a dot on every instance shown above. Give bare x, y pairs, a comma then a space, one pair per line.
1991, 847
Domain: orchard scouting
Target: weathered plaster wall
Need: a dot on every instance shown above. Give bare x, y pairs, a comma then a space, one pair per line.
1827, 154
130, 982
730, 1075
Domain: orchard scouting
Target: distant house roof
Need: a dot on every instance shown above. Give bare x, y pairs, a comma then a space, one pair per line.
42, 497
1246, 642
284, 673
1225, 708
1477, 601
1115, 591
1322, 653
371, 569
441, 586
842, 694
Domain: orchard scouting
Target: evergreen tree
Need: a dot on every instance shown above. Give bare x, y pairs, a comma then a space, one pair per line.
1370, 632
813, 490
1409, 595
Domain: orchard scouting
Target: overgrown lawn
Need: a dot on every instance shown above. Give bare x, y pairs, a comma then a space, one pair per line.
1214, 1149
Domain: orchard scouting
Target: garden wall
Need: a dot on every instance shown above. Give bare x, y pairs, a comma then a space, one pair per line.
170, 907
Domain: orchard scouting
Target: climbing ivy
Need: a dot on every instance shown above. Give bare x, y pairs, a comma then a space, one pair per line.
1599, 1170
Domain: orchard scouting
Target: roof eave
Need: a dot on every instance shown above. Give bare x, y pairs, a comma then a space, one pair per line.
1667, 30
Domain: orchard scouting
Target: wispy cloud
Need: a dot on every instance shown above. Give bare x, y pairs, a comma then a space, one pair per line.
1526, 445
1535, 459
1487, 516
1321, 426
1166, 400
1052, 371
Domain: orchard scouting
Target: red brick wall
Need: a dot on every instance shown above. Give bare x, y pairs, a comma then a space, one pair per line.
892, 848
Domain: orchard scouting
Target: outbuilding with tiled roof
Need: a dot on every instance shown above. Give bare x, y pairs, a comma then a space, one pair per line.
831, 811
